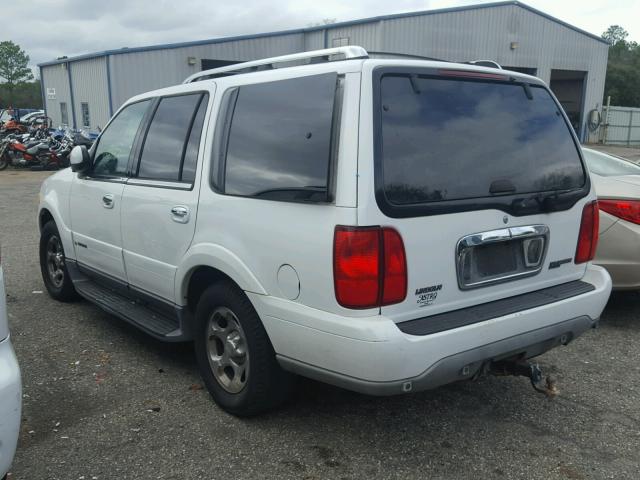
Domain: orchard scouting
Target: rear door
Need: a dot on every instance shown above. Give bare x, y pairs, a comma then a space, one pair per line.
160, 200
481, 176
95, 201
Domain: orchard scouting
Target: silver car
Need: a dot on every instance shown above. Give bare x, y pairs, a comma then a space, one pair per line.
10, 389
617, 184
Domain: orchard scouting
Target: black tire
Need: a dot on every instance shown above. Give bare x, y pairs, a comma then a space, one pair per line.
5, 160
61, 287
266, 385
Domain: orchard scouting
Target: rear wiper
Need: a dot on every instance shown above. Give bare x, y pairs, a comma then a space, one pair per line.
501, 186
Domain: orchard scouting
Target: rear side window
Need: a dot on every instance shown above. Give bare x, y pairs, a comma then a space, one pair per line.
455, 139
279, 141
166, 142
193, 144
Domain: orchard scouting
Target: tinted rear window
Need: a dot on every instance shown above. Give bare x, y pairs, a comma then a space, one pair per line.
453, 139
279, 145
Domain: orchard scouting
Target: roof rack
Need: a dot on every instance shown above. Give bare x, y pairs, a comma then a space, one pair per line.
485, 63
315, 56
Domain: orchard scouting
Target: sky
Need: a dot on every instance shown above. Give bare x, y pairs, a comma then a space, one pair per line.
47, 29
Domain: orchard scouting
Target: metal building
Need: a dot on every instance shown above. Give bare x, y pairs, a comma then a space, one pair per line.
84, 91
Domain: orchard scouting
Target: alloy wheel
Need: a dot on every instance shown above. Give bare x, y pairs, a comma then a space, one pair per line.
227, 350
55, 261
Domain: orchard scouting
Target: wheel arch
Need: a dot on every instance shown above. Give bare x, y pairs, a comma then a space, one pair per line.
206, 264
47, 213
44, 216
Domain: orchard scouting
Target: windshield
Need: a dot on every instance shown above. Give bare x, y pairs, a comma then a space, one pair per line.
608, 165
451, 139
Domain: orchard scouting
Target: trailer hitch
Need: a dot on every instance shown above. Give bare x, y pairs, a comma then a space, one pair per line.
523, 368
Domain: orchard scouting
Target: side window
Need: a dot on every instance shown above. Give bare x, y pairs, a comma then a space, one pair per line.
86, 119
64, 114
167, 139
114, 146
279, 142
193, 145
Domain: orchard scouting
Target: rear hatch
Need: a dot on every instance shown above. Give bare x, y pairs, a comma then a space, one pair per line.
481, 175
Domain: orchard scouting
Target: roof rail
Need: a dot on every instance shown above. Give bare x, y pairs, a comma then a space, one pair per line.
315, 56
485, 63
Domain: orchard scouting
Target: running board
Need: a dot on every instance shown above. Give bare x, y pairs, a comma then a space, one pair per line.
132, 310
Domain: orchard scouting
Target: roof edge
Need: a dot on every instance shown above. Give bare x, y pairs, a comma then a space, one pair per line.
347, 23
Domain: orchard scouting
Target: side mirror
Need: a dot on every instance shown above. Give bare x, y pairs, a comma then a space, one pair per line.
79, 158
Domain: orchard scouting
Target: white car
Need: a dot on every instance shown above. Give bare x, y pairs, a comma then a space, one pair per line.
617, 183
10, 389
383, 225
31, 116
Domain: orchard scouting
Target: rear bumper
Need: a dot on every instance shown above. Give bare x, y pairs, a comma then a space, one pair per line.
459, 366
10, 405
372, 355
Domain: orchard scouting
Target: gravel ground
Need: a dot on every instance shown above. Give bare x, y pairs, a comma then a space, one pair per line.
104, 401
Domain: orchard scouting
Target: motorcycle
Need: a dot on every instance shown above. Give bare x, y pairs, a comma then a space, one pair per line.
41, 148
36, 155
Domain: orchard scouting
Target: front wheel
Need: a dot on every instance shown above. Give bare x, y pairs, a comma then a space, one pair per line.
52, 265
235, 356
5, 159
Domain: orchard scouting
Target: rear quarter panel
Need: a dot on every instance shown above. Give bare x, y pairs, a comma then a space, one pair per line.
251, 239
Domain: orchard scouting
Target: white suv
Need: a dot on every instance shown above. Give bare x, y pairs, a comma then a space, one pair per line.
383, 225
10, 389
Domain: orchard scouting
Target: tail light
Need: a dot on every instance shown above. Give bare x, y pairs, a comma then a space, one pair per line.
588, 236
369, 267
628, 210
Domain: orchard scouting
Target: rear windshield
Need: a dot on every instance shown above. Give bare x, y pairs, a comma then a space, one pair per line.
453, 139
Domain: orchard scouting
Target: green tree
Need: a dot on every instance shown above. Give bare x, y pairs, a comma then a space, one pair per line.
14, 66
623, 68
24, 95
615, 34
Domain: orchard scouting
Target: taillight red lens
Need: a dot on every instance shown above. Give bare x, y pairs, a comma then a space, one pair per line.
588, 236
394, 283
356, 266
369, 267
628, 210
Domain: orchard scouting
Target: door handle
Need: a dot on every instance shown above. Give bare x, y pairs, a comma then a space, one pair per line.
107, 201
180, 214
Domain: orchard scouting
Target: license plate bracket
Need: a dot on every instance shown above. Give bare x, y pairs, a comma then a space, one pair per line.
501, 255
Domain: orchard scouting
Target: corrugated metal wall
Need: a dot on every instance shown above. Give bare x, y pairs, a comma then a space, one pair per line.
134, 73
488, 33
55, 76
89, 79
314, 40
482, 33
622, 126
485, 33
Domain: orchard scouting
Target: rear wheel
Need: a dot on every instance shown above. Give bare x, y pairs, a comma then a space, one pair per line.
53, 266
235, 357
